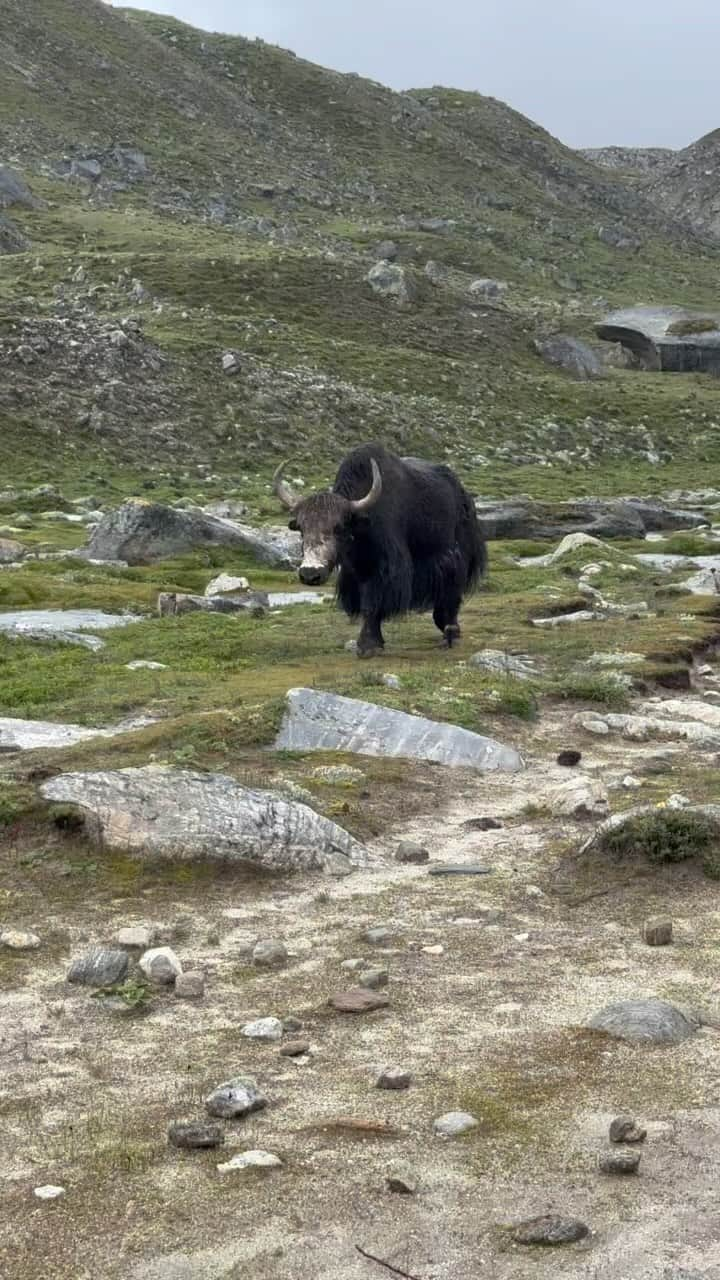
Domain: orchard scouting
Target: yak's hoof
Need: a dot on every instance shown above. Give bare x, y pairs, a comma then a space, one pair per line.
450, 635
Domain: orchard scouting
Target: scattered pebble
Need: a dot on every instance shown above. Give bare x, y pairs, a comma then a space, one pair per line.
352, 965
196, 1135
358, 1000
437, 949
251, 1160
19, 940
373, 978
625, 1129
454, 1123
141, 936
99, 967
453, 869
630, 783
657, 931
379, 936
521, 937
619, 1163
48, 1192
394, 1078
550, 1230
408, 852
236, 1098
270, 953
190, 985
294, 1048
401, 1179
569, 759
391, 681
161, 966
482, 824
263, 1029
141, 665
677, 801
533, 891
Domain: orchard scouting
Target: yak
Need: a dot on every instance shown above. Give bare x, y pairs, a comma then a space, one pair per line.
402, 533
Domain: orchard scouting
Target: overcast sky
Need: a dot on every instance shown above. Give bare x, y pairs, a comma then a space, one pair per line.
593, 72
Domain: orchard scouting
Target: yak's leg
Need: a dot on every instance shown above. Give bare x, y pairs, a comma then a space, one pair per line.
445, 617
370, 641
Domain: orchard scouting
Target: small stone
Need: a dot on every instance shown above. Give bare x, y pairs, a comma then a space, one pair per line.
533, 891
196, 1135
401, 1179
236, 1098
251, 1160
482, 824
391, 681
141, 665
292, 1025
550, 1230
619, 1163
19, 940
141, 936
625, 1129
358, 1000
48, 1192
407, 851
190, 985
569, 759
99, 967
678, 801
270, 953
294, 1048
437, 949
263, 1029
373, 978
394, 1078
161, 966
380, 936
459, 869
352, 965
631, 783
657, 931
454, 1123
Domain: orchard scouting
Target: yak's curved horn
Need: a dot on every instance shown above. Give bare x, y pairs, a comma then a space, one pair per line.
283, 490
364, 504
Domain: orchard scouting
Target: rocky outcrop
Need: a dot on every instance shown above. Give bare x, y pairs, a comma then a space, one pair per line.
522, 517
170, 813
571, 355
317, 721
172, 603
390, 281
666, 339
140, 532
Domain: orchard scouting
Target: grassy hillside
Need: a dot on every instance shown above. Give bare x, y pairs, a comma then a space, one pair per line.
204, 194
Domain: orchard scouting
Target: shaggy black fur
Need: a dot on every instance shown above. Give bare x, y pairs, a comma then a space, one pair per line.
420, 546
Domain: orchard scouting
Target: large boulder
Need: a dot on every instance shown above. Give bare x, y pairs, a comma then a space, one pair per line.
390, 281
14, 190
667, 339
316, 721
521, 517
570, 354
140, 532
646, 1022
169, 813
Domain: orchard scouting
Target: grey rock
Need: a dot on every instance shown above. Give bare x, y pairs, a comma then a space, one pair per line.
316, 721
666, 339
625, 1129
99, 967
245, 1160
372, 979
402, 1179
459, 869
270, 953
379, 936
454, 1123
487, 289
56, 623
225, 583
236, 1098
11, 551
141, 936
550, 1230
161, 812
506, 664
386, 251
263, 1029
571, 355
231, 363
522, 517
142, 532
409, 852
292, 1025
294, 1049
89, 169
657, 931
161, 966
15, 191
338, 773
190, 985
11, 239
619, 1163
645, 1021
390, 281
196, 1135
174, 603
19, 940
394, 1078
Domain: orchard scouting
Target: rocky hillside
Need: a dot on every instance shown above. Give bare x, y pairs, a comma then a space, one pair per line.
192, 225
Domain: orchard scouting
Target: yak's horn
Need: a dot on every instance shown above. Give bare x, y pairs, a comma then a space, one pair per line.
283, 490
364, 504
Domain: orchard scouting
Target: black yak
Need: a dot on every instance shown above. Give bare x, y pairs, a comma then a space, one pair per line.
402, 533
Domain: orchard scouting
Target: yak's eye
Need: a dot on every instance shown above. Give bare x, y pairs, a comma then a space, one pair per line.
293, 525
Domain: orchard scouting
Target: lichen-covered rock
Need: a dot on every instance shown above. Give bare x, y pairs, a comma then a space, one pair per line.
236, 1098
141, 532
570, 354
390, 281
316, 721
171, 813
172, 603
645, 1022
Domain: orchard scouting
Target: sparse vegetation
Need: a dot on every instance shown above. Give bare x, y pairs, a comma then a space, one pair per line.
666, 836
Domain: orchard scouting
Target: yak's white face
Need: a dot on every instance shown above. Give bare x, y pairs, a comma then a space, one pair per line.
324, 521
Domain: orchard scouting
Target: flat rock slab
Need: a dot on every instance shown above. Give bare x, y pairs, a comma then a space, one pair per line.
317, 721
358, 1000
645, 1022
30, 735
173, 813
31, 623
457, 869
550, 1230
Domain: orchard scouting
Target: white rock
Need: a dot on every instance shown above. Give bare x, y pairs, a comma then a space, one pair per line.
139, 935
631, 783
250, 1160
436, 950
569, 543
591, 724
678, 801
454, 1123
141, 665
263, 1029
579, 797
19, 940
48, 1192
567, 619
161, 965
226, 582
